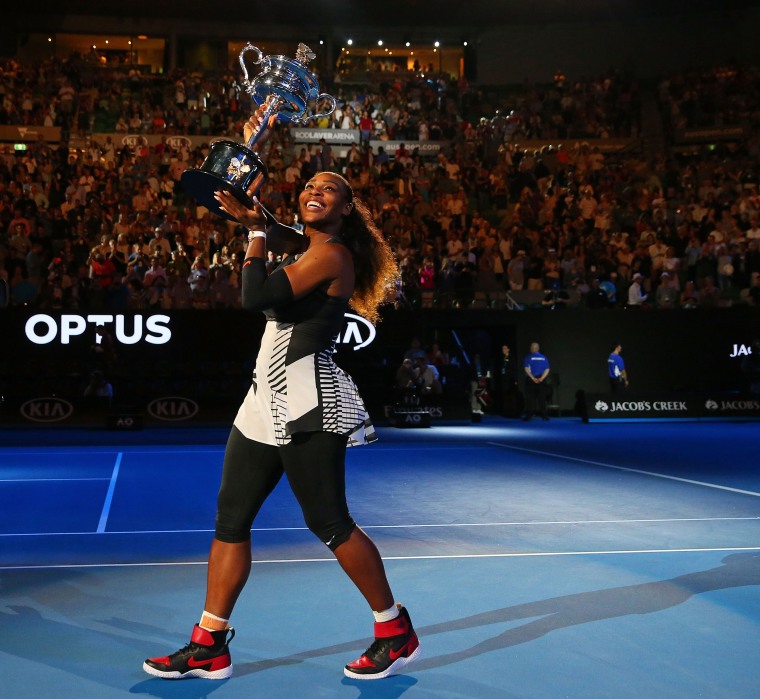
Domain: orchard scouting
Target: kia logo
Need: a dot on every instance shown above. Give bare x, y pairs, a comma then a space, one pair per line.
133, 140
48, 409
173, 408
178, 141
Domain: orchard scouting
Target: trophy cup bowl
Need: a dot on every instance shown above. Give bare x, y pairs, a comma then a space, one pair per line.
285, 88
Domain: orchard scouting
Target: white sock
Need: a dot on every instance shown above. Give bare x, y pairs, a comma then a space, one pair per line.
207, 617
387, 615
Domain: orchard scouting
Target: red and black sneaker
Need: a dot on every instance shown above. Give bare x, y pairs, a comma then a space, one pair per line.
395, 646
206, 656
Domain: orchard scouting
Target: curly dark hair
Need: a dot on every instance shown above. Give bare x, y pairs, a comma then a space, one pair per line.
374, 264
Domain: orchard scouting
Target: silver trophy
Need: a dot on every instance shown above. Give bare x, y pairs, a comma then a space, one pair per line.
284, 87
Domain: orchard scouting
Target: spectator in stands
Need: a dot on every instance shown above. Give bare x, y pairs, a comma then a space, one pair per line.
427, 275
666, 295
101, 274
516, 271
487, 280
709, 294
436, 356
689, 297
155, 281
597, 297
198, 277
636, 295
24, 292
406, 377
415, 350
754, 290
428, 377
693, 200
99, 388
19, 244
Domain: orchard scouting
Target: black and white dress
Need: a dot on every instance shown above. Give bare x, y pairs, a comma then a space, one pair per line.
297, 387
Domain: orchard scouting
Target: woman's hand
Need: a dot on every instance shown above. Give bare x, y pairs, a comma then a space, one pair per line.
255, 123
253, 219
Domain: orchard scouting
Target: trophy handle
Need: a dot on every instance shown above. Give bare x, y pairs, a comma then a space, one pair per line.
249, 47
323, 96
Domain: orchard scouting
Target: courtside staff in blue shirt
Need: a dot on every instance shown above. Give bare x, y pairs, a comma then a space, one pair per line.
616, 369
536, 367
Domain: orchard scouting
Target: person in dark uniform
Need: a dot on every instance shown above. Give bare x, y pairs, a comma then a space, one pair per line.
751, 368
297, 419
505, 375
616, 369
536, 367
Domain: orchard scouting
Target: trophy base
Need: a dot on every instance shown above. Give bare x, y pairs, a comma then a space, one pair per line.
203, 185
229, 166
238, 170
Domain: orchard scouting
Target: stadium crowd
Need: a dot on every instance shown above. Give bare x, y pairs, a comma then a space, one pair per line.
108, 226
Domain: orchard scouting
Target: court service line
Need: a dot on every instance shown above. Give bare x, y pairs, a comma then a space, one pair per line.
442, 525
516, 554
629, 470
109, 495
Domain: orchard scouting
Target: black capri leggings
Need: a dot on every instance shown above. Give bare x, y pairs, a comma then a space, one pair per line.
314, 463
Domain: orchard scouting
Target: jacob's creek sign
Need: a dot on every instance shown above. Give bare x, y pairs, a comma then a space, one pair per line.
642, 406
602, 407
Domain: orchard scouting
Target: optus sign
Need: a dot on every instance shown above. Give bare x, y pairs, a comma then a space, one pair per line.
42, 329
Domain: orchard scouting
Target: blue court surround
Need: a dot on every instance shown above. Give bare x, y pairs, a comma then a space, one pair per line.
538, 560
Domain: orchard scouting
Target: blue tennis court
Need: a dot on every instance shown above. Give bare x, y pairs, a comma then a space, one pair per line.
554, 559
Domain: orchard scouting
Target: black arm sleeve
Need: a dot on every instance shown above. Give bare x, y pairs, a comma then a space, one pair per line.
261, 290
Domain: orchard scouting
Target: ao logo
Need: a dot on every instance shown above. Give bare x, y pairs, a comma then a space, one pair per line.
601, 406
173, 408
413, 418
357, 331
47, 409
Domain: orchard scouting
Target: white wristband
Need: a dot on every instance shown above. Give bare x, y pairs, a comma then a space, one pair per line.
252, 235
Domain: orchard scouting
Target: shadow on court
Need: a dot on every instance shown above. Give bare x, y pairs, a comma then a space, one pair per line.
66, 646
737, 570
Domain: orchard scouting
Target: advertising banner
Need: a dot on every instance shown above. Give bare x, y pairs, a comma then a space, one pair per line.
29, 134
606, 407
331, 136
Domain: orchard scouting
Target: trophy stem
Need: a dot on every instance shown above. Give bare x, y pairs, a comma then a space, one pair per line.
271, 106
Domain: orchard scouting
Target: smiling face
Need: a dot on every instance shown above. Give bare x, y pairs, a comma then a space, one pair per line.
324, 201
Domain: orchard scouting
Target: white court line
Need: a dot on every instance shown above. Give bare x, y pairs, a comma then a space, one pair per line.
47, 480
629, 470
109, 495
208, 449
539, 523
525, 554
